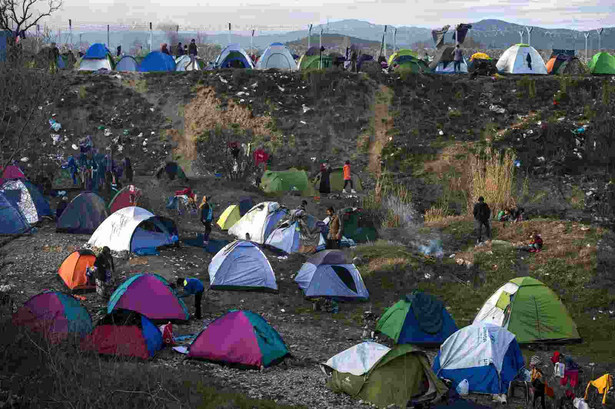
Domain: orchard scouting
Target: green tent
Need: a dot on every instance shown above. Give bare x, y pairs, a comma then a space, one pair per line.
407, 60
286, 181
357, 226
313, 62
336, 180
399, 376
172, 170
63, 180
602, 63
530, 310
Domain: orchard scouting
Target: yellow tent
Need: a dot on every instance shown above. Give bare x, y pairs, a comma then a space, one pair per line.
402, 52
229, 217
479, 56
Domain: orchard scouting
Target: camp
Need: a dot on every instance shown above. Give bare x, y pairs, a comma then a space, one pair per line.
229, 217
384, 376
259, 222
233, 56
530, 310
172, 170
124, 333
336, 180
242, 338
443, 62
133, 229
486, 355
481, 62
565, 64
12, 220
296, 234
97, 57
157, 61
276, 56
357, 226
313, 59
11, 172
292, 180
521, 59
418, 318
241, 265
183, 63
54, 315
328, 274
127, 196
24, 195
602, 63
73, 269
83, 214
408, 61
363, 58
127, 64
149, 295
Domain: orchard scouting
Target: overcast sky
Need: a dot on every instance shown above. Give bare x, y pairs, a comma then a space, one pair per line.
266, 15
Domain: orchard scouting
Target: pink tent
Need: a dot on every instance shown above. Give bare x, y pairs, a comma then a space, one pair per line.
11, 172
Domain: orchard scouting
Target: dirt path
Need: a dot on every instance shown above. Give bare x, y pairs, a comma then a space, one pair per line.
383, 122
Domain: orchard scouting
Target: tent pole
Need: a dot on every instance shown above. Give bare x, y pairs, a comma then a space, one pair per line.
108, 36
151, 37
320, 50
586, 56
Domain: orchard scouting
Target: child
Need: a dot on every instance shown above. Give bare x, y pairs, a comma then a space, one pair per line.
538, 384
192, 286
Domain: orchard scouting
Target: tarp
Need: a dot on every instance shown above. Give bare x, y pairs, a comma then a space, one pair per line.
73, 269
127, 64
259, 222
12, 221
515, 60
286, 181
157, 61
602, 63
233, 55
241, 265
83, 214
276, 56
229, 217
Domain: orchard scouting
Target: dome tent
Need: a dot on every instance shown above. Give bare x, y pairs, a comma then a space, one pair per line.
11, 172
229, 217
233, 56
328, 274
521, 59
276, 56
418, 318
241, 265
157, 61
286, 181
296, 234
96, 57
602, 63
73, 269
12, 220
127, 64
258, 222
530, 310
239, 337
127, 196
183, 63
83, 214
30, 201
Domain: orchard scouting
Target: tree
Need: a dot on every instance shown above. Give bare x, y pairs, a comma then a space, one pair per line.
18, 16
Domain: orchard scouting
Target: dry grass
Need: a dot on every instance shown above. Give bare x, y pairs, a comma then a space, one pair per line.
492, 178
441, 221
383, 122
394, 201
387, 264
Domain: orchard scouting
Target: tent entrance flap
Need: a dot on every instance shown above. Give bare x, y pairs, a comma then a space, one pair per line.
346, 277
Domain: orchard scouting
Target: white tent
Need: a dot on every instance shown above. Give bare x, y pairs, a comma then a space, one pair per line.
231, 53
25, 204
182, 63
521, 59
276, 56
258, 222
92, 64
359, 359
241, 265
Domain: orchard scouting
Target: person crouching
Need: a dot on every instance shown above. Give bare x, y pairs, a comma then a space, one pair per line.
192, 286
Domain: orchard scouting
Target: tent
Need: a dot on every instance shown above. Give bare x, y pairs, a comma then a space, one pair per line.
229, 217
602, 63
481, 62
182, 63
286, 181
384, 376
241, 265
172, 170
486, 355
314, 62
418, 318
124, 333
245, 204
127, 64
407, 60
96, 51
73, 269
27, 198
296, 234
157, 61
54, 315
328, 274
259, 222
133, 228
12, 220
11, 172
233, 56
241, 338
362, 59
149, 295
565, 64
336, 180
357, 226
127, 196
515, 61
96, 57
443, 62
83, 214
400, 53
530, 310
276, 56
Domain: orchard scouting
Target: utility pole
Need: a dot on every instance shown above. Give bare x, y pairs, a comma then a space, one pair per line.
521, 35
229, 33
108, 36
320, 49
309, 36
395, 41
384, 41
599, 31
70, 31
586, 34
151, 37
529, 31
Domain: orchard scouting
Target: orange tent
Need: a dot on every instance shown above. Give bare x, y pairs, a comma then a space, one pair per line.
72, 270
550, 64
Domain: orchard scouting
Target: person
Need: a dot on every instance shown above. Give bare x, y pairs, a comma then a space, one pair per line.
458, 58
61, 206
207, 216
348, 178
528, 59
482, 214
353, 61
180, 49
335, 230
193, 51
538, 383
128, 168
535, 245
185, 49
104, 268
164, 49
325, 171
192, 286
72, 167
300, 211
518, 214
119, 50
504, 216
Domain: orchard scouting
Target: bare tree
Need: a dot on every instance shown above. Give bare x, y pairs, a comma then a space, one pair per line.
18, 16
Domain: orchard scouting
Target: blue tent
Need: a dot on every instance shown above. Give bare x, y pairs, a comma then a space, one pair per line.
83, 214
241, 265
41, 204
12, 221
487, 355
328, 274
27, 198
157, 61
127, 63
96, 51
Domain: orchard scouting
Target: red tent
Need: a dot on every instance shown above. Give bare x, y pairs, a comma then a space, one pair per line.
12, 172
128, 196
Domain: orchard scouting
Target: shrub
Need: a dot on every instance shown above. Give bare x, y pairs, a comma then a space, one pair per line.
492, 178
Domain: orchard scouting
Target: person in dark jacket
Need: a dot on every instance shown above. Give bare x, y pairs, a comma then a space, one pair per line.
193, 52
164, 49
128, 169
335, 230
104, 269
180, 49
482, 215
192, 286
61, 207
119, 50
207, 216
325, 186
528, 59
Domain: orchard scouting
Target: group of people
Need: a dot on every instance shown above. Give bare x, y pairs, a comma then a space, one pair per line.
565, 372
325, 183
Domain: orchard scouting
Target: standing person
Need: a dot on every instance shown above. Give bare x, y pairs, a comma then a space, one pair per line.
348, 178
128, 169
207, 216
104, 269
482, 214
335, 230
185, 49
458, 58
119, 50
180, 49
164, 49
192, 286
528, 59
193, 51
325, 171
538, 383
